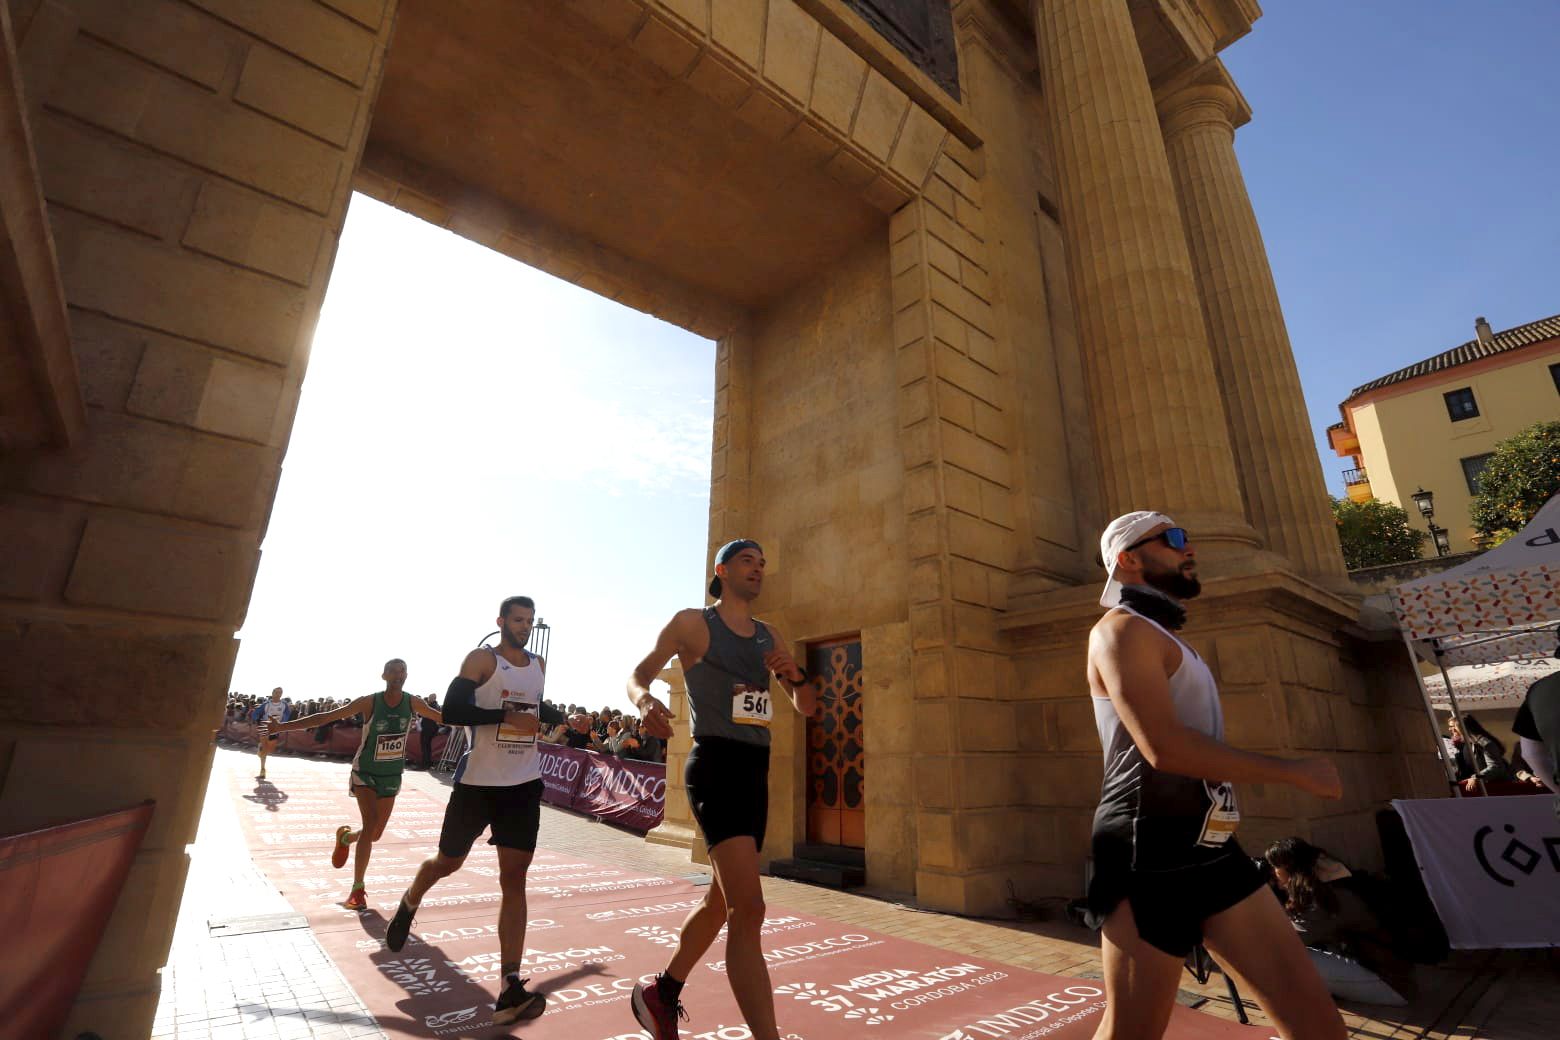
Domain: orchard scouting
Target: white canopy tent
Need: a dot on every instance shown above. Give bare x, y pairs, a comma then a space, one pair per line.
1502, 684
1501, 606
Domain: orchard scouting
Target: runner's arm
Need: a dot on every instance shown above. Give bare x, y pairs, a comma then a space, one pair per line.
1536, 754
1128, 656
421, 707
802, 688
460, 703
657, 717
670, 642
362, 704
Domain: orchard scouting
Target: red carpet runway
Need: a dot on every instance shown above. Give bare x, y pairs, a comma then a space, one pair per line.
595, 930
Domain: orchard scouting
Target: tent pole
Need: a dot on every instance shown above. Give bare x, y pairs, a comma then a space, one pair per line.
1447, 766
1451, 699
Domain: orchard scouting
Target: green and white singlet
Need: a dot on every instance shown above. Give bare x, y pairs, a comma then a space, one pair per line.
381, 753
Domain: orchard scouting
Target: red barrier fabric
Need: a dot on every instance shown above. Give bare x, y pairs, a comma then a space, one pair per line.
58, 887
562, 770
632, 794
595, 930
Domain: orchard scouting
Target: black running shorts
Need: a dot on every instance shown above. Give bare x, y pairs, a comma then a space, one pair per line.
1170, 906
514, 813
728, 789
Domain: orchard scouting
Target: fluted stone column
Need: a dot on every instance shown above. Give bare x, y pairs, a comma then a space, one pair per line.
1154, 395
1275, 454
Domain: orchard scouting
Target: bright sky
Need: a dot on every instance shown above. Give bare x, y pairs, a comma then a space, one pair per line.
472, 428
1403, 161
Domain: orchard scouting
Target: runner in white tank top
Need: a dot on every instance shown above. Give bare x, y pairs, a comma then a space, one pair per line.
1168, 873
498, 697
269, 714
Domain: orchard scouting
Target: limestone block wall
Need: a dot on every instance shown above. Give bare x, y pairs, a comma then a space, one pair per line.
195, 159
808, 464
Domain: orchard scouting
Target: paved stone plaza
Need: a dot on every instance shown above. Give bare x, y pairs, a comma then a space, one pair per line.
280, 985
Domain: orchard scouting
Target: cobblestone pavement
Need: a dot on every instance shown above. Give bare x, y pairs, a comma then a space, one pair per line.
279, 985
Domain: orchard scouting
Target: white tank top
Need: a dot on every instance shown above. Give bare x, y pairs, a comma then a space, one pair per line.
497, 756
275, 711
1169, 821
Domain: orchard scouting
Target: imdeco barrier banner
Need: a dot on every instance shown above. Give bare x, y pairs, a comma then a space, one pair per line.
1491, 866
595, 929
621, 791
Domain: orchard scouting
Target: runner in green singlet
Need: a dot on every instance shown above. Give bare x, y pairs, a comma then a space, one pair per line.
376, 766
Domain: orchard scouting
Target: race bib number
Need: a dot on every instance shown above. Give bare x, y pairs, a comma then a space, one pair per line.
1223, 815
390, 747
750, 706
513, 700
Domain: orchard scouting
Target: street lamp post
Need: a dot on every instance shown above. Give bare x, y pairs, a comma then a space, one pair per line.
1439, 536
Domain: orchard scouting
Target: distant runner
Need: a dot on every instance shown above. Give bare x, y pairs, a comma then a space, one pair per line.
376, 766
727, 657
498, 784
269, 713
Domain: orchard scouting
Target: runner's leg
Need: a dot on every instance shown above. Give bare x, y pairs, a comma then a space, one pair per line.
1254, 941
736, 868
698, 933
1140, 981
376, 813
512, 866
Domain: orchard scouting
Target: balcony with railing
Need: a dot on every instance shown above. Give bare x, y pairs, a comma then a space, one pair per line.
1357, 484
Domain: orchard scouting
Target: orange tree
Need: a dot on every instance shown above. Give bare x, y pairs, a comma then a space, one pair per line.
1522, 474
1374, 533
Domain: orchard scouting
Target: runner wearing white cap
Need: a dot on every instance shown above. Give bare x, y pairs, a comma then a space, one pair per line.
1168, 873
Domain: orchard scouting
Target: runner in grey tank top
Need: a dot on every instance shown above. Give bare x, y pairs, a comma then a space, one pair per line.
728, 690
1168, 874
727, 658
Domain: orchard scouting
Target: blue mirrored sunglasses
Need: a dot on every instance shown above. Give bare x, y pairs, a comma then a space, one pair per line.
1174, 537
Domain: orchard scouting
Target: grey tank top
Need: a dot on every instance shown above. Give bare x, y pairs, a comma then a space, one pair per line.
1169, 821
728, 690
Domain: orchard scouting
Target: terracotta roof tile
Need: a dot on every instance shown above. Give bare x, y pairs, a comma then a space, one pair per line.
1473, 350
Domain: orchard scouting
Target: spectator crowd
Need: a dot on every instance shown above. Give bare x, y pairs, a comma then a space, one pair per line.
607, 731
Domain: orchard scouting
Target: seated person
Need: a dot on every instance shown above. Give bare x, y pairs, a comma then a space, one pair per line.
1327, 903
1480, 756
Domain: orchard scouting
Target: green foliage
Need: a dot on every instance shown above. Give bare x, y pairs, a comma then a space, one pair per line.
1374, 533
1519, 478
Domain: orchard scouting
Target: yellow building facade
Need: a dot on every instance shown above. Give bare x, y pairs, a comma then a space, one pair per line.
980, 280
1433, 424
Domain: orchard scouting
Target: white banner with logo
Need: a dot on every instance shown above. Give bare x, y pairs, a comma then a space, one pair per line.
1491, 865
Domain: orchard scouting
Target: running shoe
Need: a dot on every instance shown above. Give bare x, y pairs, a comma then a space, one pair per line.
357, 899
338, 854
400, 926
517, 1003
653, 1012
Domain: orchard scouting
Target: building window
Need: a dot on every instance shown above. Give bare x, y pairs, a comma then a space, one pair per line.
1473, 467
1554, 373
1460, 404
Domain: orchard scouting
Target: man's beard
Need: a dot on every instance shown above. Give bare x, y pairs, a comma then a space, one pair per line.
1176, 584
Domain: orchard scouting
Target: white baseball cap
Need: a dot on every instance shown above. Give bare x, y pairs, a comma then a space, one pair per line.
1121, 532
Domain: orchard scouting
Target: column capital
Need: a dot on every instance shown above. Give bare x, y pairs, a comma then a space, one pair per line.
1198, 104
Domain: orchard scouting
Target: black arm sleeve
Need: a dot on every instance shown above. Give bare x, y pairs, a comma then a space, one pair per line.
460, 706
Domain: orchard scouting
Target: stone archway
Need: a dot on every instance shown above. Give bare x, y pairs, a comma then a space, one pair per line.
913, 285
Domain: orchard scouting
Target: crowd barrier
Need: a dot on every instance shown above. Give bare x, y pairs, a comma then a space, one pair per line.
621, 791
58, 887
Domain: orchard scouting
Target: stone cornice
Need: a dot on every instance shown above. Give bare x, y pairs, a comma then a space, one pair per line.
1044, 617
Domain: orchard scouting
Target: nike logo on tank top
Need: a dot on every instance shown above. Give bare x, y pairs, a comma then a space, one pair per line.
501, 756
728, 690
1171, 821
